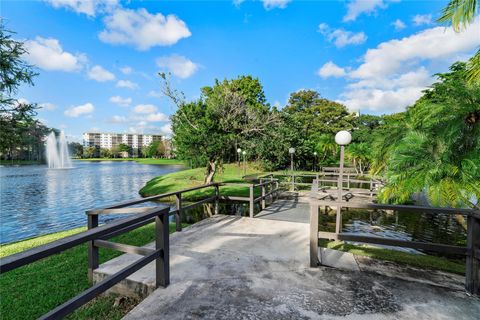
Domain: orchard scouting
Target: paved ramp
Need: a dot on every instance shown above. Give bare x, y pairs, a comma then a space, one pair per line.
230, 267
286, 210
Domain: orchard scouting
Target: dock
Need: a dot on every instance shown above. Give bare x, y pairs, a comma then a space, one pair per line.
231, 267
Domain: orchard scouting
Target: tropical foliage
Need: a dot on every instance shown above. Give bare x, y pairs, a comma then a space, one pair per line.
21, 135
459, 14
436, 148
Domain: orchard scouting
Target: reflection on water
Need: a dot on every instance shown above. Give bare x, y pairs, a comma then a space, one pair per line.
437, 228
421, 227
36, 200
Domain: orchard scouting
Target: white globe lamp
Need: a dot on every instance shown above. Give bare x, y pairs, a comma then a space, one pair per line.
343, 138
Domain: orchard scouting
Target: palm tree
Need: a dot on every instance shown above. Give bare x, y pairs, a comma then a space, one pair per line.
459, 14
326, 146
439, 153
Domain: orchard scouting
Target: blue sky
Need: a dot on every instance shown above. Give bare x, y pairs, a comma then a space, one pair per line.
98, 60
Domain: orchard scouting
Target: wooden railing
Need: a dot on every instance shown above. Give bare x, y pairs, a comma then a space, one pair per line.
471, 251
160, 254
323, 181
97, 237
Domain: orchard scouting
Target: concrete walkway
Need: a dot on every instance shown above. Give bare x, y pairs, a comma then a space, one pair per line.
228, 267
293, 210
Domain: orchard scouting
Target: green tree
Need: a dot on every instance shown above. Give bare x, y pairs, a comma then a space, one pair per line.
307, 117
438, 152
228, 114
459, 14
105, 153
122, 147
89, 152
76, 149
19, 134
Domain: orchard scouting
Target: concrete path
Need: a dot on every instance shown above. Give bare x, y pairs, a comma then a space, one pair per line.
293, 210
229, 267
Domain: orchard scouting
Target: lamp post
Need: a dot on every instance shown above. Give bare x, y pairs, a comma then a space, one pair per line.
314, 160
342, 138
244, 164
291, 151
239, 151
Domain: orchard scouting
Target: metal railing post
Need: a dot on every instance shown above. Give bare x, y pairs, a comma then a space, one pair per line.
93, 255
162, 263
472, 275
251, 203
178, 214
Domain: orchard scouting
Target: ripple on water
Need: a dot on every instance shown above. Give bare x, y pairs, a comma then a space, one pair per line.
36, 200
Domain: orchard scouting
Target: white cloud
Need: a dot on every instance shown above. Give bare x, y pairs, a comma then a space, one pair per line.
357, 7
48, 54
126, 84
98, 73
23, 101
74, 112
341, 37
88, 7
166, 130
126, 70
156, 117
123, 102
145, 108
272, 4
393, 75
155, 94
399, 24
330, 69
422, 19
47, 106
142, 29
435, 43
118, 119
177, 65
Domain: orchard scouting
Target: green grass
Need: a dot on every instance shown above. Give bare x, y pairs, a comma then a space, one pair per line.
33, 290
194, 177
19, 162
140, 160
417, 260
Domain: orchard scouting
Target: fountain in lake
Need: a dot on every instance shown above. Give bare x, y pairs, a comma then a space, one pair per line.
57, 152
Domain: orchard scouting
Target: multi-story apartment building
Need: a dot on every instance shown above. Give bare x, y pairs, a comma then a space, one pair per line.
109, 140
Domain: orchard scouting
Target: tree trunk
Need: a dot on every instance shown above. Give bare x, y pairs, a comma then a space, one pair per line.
210, 172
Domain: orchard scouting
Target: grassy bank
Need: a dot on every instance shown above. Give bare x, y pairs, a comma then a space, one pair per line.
140, 160
416, 260
32, 290
194, 177
18, 162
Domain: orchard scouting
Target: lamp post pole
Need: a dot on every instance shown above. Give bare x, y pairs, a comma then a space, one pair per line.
239, 151
315, 161
342, 138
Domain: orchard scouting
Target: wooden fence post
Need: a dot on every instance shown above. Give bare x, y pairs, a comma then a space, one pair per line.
472, 276
93, 256
251, 201
263, 196
162, 263
338, 219
217, 198
178, 215
314, 259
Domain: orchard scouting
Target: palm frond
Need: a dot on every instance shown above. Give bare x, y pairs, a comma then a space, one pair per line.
459, 14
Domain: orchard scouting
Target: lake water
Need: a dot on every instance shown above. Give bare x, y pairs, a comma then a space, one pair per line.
35, 200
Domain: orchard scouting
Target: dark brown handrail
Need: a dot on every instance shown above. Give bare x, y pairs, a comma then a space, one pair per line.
471, 251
